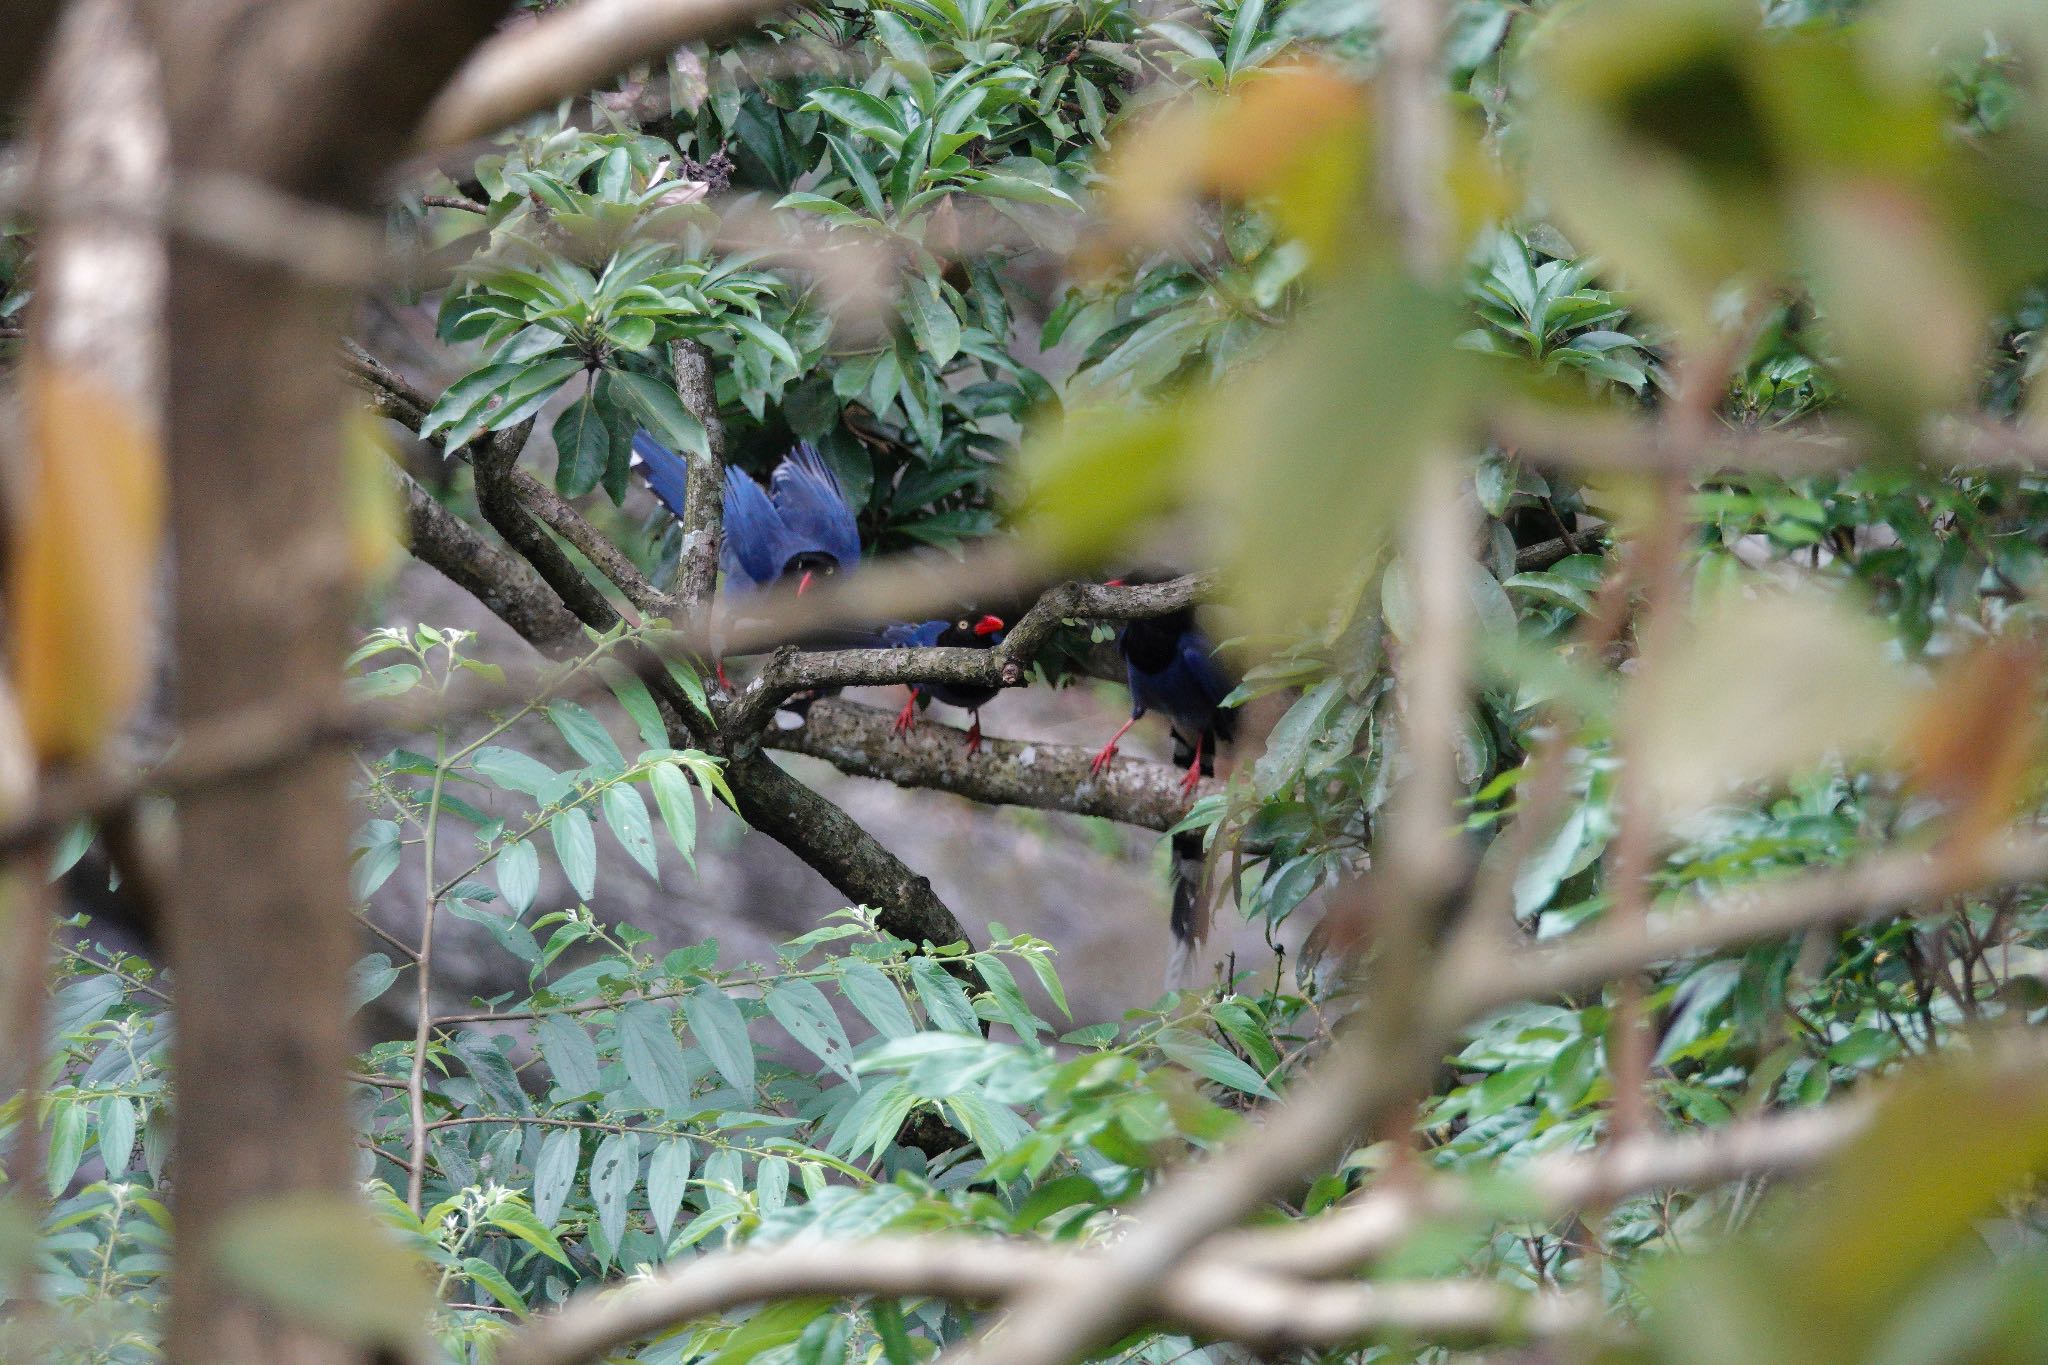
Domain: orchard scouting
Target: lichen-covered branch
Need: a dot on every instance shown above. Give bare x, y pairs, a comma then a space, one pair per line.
704, 498
859, 740
791, 671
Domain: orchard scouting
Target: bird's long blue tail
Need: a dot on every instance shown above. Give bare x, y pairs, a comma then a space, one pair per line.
664, 471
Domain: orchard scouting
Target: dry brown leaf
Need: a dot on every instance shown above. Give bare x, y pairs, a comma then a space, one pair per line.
81, 581
1972, 742
1766, 683
1299, 135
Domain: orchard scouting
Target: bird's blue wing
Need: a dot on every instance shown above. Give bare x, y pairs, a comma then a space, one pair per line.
1187, 689
753, 551
905, 635
814, 509
664, 471
1198, 659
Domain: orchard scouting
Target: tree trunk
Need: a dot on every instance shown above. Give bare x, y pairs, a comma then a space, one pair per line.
315, 102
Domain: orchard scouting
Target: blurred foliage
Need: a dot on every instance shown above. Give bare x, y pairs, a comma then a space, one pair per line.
1846, 194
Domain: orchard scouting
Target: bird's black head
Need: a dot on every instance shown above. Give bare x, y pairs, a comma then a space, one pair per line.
810, 566
973, 632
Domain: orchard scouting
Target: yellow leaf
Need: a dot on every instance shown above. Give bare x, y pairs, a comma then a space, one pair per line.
1761, 687
1297, 138
81, 584
375, 535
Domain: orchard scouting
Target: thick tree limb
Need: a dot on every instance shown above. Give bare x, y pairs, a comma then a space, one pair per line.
835, 846
497, 495
792, 671
566, 53
311, 101
29, 26
858, 740
506, 585
704, 498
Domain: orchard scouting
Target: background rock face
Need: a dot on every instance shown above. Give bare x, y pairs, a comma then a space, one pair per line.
1095, 890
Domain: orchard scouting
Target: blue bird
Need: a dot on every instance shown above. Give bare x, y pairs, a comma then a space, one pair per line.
967, 632
1171, 668
798, 529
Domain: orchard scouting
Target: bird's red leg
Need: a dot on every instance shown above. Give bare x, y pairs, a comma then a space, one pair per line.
1108, 751
721, 676
1194, 777
974, 734
906, 717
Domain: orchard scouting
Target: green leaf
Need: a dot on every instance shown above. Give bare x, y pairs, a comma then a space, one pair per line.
583, 446
117, 1133
663, 412
576, 848
677, 803
945, 1000
876, 997
721, 1030
512, 770
67, 1144
638, 703
998, 186
554, 1171
385, 682
494, 1283
380, 848
324, 1261
668, 1176
654, 1059
521, 1222
860, 111
518, 865
491, 1070
1206, 1057
587, 736
567, 1048
626, 812
614, 1170
932, 320
803, 1010
371, 976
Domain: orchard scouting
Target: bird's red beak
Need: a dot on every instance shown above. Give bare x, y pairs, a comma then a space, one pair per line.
988, 625
1114, 583
803, 584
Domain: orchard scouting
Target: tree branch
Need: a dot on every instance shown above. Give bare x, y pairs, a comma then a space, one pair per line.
507, 586
569, 52
791, 671
859, 740
1229, 1302
704, 498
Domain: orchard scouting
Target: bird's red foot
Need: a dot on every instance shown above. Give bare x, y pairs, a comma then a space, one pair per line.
721, 676
1108, 751
905, 718
1193, 778
974, 737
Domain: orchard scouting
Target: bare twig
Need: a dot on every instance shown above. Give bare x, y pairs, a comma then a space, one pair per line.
1231, 1302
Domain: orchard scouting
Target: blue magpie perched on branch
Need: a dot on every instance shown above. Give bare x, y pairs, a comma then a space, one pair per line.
967, 632
799, 528
1171, 667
